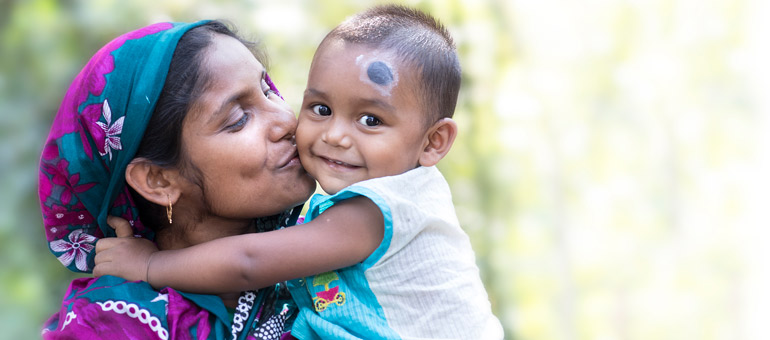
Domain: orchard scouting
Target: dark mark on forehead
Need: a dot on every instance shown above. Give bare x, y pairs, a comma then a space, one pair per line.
379, 73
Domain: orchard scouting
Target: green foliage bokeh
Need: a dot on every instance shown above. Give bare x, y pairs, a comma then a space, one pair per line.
609, 169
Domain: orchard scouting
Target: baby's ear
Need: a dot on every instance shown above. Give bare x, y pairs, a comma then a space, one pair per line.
156, 184
438, 141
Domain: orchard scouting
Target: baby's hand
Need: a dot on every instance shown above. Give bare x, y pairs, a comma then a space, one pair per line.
124, 256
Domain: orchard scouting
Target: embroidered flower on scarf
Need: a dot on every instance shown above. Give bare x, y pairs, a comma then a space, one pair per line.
111, 139
70, 316
77, 248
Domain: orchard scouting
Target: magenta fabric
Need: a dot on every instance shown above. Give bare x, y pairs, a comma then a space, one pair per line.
93, 137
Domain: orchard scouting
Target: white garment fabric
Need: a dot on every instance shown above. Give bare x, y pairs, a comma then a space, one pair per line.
423, 277
427, 281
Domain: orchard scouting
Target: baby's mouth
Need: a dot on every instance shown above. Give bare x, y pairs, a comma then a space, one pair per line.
335, 163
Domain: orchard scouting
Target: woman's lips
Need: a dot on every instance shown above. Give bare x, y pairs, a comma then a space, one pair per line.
292, 159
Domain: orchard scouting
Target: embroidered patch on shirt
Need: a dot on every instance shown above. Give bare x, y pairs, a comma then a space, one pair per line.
330, 295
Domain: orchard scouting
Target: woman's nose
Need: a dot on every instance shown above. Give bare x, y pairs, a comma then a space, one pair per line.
283, 124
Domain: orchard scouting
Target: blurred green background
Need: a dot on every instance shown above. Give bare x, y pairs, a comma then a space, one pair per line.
611, 165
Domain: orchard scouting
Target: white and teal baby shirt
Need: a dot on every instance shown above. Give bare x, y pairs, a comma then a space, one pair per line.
422, 281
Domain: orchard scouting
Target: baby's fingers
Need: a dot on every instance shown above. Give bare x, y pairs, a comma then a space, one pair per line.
100, 258
102, 261
101, 269
121, 226
106, 243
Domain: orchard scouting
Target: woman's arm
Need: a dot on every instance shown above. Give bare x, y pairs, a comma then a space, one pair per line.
343, 235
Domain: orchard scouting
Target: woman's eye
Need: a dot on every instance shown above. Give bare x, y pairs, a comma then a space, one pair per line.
240, 123
322, 110
266, 88
369, 120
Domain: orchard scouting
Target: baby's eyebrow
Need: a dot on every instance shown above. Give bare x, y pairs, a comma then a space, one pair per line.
360, 101
378, 103
313, 92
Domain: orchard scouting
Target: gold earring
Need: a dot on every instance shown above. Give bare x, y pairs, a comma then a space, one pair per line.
169, 209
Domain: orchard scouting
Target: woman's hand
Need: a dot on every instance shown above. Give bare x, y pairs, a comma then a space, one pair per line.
124, 256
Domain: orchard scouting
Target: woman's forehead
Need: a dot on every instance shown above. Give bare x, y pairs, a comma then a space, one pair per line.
228, 54
231, 73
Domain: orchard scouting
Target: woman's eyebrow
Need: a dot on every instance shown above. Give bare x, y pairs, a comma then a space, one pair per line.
224, 107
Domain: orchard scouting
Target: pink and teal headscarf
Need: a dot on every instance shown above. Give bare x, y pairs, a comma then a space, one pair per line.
94, 136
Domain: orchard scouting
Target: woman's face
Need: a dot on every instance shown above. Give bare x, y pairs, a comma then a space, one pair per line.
238, 140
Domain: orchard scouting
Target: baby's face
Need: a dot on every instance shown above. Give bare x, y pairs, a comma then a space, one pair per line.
361, 116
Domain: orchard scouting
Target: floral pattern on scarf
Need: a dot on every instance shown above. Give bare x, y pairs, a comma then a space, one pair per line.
80, 171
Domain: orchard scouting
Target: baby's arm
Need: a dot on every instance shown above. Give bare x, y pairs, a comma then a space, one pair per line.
343, 235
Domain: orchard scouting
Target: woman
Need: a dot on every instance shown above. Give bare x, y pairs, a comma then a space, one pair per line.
187, 117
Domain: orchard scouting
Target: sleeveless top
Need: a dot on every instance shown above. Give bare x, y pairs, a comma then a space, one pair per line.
421, 282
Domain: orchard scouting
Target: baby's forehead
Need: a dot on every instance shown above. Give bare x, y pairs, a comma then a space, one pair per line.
379, 68
380, 73
384, 69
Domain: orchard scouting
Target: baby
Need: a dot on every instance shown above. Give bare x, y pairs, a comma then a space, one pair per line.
383, 255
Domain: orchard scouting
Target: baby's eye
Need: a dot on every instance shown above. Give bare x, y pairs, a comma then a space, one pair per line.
322, 110
369, 120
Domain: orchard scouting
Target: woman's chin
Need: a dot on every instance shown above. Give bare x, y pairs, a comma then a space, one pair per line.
310, 184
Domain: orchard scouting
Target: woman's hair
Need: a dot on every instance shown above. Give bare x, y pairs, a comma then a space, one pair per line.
186, 80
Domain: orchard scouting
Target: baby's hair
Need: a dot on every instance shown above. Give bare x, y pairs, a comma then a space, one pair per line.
417, 39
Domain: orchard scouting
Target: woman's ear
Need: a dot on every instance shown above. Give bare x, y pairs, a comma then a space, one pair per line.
156, 184
438, 141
